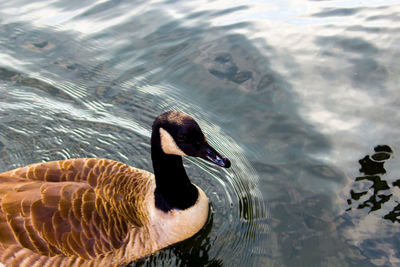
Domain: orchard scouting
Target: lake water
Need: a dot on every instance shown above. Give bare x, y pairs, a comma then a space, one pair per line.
302, 96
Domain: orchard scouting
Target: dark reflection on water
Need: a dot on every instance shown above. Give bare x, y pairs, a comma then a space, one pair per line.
225, 68
334, 12
374, 191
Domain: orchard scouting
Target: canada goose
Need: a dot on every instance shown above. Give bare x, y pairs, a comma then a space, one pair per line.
99, 212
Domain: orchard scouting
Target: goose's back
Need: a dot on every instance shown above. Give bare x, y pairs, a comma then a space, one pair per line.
71, 213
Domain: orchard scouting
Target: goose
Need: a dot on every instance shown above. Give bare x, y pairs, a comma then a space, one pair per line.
100, 212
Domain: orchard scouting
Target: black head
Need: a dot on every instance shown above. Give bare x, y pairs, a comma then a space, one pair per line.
179, 134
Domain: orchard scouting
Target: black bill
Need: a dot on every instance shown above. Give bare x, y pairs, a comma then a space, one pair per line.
210, 154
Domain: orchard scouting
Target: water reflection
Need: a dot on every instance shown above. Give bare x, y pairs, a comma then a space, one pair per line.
373, 191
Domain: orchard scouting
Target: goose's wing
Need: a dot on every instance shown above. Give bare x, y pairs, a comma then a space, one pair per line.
85, 170
60, 208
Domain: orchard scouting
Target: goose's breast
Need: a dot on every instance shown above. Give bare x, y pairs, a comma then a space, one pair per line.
171, 227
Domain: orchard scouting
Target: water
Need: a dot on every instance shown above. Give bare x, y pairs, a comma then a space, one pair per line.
295, 93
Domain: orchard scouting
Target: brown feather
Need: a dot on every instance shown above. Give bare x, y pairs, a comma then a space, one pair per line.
83, 212
68, 208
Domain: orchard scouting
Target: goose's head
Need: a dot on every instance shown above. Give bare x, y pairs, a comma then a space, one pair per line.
179, 134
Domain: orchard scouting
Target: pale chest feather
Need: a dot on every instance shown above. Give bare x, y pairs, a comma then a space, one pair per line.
178, 225
166, 228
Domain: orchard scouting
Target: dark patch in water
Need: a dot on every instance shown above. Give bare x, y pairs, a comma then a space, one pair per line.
41, 44
268, 82
373, 183
226, 68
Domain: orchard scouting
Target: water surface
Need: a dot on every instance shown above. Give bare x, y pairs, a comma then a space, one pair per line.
302, 96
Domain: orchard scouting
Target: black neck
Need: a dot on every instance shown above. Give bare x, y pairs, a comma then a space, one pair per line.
173, 187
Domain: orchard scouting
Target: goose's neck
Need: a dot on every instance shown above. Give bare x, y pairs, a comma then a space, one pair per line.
173, 187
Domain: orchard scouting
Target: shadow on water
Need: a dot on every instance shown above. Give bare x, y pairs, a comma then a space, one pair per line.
373, 191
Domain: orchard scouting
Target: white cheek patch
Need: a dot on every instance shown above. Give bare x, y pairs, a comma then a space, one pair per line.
168, 144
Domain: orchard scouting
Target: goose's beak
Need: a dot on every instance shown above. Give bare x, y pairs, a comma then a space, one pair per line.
210, 154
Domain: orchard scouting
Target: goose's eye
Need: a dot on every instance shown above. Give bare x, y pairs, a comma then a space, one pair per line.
181, 138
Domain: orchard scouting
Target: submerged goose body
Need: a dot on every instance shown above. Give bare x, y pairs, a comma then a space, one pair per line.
100, 212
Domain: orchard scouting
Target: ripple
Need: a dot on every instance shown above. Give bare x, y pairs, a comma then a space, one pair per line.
335, 12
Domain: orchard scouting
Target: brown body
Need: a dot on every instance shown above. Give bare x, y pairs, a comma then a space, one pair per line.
86, 212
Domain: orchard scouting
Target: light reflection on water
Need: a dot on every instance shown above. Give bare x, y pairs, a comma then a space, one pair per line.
294, 93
